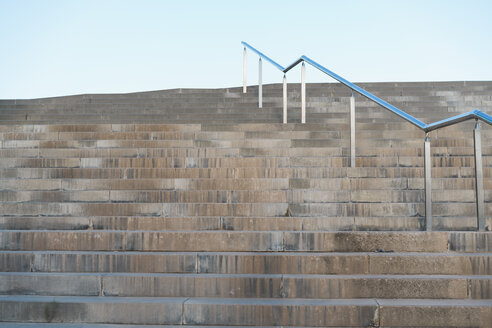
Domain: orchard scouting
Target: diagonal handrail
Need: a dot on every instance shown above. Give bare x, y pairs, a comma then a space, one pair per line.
262, 55
474, 114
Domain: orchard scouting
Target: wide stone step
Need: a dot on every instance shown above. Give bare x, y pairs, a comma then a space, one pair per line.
212, 223
105, 128
239, 106
294, 184
241, 196
95, 325
91, 309
284, 209
173, 152
258, 241
314, 95
191, 152
238, 173
289, 223
207, 118
225, 162
179, 135
157, 184
397, 263
170, 196
247, 285
233, 312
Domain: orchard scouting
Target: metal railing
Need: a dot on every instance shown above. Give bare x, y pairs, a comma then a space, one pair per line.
474, 114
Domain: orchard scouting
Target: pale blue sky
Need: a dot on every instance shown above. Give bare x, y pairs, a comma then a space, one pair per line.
62, 47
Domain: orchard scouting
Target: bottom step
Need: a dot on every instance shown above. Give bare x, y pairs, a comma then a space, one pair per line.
95, 325
248, 312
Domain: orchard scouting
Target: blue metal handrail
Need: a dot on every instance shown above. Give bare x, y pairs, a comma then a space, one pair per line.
262, 55
474, 114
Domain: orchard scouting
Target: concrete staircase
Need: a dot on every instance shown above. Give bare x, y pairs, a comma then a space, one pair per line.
194, 207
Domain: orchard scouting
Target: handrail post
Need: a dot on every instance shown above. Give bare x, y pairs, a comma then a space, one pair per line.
479, 177
427, 184
284, 80
260, 85
244, 70
352, 131
303, 93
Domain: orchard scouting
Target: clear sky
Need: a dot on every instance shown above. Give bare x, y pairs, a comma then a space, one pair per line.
62, 47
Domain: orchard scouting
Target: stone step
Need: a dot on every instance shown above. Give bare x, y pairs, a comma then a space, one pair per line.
294, 184
238, 173
226, 162
330, 132
153, 119
234, 143
91, 309
132, 127
240, 196
270, 97
247, 285
313, 95
180, 152
233, 312
237, 241
393, 128
393, 95
89, 325
78, 138
190, 152
168, 184
202, 135
244, 114
388, 223
274, 118
182, 223
445, 213
397, 263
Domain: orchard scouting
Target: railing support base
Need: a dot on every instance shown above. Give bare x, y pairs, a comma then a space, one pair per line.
303, 93
479, 177
244, 70
284, 80
427, 184
260, 85
352, 131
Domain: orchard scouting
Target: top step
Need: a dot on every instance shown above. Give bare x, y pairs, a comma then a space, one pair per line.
230, 105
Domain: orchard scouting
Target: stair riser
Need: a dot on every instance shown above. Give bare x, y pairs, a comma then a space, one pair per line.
377, 263
202, 285
245, 241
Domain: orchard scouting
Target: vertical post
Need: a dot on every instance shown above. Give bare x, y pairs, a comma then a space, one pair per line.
352, 131
285, 100
427, 184
260, 86
244, 70
479, 177
303, 93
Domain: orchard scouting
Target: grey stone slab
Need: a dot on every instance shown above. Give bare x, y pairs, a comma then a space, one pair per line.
91, 309
366, 242
144, 262
440, 313
470, 241
316, 313
52, 284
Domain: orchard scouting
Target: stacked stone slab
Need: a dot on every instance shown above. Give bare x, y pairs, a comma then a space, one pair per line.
194, 207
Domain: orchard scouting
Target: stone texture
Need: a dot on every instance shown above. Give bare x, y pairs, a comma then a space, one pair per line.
411, 313
90, 309
314, 313
199, 209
